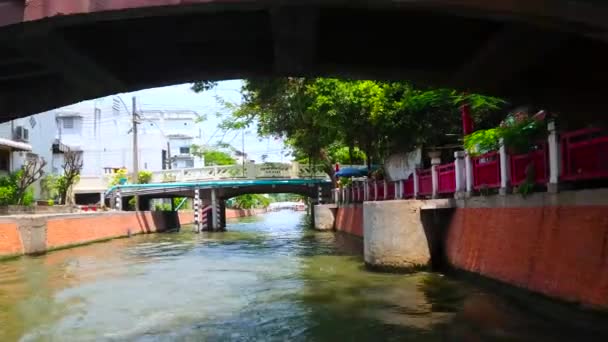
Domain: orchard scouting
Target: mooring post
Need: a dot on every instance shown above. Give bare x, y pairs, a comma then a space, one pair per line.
214, 218
118, 200
197, 221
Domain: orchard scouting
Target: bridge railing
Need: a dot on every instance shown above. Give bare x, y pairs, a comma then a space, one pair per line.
576, 157
247, 171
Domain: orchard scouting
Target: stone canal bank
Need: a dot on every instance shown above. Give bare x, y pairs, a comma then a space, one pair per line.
39, 233
553, 244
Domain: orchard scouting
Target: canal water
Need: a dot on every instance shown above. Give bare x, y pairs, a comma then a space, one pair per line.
268, 278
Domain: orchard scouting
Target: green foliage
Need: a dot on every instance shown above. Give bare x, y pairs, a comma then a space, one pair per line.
328, 120
482, 141
523, 135
162, 207
177, 201
28, 197
49, 188
212, 156
9, 191
119, 177
144, 177
346, 155
519, 132
132, 202
250, 201
50, 203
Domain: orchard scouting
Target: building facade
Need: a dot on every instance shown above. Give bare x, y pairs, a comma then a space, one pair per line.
102, 131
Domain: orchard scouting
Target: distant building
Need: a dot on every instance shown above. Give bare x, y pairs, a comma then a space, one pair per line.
102, 131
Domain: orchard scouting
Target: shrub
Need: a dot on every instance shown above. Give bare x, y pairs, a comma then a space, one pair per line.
144, 177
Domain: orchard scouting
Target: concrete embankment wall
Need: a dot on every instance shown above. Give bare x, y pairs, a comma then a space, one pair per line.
236, 213
349, 219
552, 244
29, 234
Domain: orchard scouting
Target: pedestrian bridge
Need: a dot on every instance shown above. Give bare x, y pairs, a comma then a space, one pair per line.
209, 197
248, 171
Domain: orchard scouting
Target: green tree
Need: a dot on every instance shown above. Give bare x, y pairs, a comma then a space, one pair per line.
72, 166
212, 156
321, 118
251, 201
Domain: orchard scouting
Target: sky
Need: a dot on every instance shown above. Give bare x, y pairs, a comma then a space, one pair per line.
182, 97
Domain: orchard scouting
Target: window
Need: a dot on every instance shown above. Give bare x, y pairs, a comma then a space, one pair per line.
184, 150
68, 123
189, 163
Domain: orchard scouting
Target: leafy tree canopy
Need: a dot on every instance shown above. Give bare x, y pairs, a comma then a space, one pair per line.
327, 120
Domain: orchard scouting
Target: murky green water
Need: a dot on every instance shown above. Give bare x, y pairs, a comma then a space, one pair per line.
266, 279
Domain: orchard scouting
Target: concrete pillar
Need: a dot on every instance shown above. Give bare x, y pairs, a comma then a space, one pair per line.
435, 176
324, 216
375, 190
397, 186
319, 195
385, 194
214, 205
102, 199
118, 200
222, 215
460, 171
394, 235
468, 174
554, 158
196, 204
365, 191
505, 175
416, 184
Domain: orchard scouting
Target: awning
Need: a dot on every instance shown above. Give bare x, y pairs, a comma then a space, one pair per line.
15, 145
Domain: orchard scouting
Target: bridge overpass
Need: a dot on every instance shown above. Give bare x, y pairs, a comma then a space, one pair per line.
549, 53
210, 187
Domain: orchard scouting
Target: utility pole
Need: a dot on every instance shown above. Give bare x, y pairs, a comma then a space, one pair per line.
169, 161
135, 147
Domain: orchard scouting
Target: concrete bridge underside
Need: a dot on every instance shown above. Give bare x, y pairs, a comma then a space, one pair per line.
549, 53
216, 196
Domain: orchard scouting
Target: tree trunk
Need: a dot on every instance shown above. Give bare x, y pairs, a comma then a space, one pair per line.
327, 165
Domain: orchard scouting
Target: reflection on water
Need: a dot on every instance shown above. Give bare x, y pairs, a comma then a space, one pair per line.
267, 278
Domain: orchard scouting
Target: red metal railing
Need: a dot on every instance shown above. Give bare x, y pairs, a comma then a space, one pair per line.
408, 187
486, 171
520, 163
425, 182
585, 154
446, 176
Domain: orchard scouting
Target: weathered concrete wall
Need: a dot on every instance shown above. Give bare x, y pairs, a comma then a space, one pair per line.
37, 209
554, 244
29, 234
349, 219
324, 216
394, 235
236, 213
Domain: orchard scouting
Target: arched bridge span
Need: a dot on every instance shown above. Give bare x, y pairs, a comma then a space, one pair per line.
56, 52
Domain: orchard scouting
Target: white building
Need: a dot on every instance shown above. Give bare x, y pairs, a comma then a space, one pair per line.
102, 130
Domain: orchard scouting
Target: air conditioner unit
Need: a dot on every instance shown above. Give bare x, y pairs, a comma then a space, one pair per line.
22, 133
